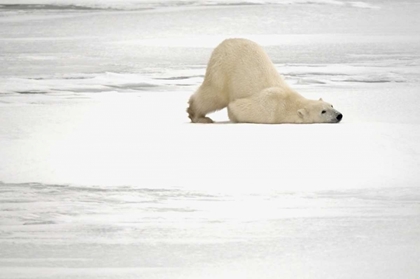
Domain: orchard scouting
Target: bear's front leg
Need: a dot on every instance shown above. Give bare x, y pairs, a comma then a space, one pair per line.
249, 110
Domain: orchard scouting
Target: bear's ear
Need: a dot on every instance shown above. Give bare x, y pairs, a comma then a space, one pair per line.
321, 99
302, 112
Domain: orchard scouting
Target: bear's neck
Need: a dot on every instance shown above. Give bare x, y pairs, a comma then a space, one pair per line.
292, 105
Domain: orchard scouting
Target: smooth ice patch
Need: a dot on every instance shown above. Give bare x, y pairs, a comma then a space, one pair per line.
147, 4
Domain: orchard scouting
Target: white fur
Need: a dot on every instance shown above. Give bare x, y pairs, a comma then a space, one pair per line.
241, 76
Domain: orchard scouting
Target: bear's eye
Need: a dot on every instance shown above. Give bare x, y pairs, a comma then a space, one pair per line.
332, 106
324, 111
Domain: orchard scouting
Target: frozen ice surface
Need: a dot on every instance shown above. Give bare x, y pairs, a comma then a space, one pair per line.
102, 176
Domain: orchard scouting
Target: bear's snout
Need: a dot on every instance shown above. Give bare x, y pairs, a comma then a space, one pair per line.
339, 117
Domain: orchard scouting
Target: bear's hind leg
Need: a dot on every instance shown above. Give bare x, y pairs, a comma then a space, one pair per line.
194, 116
203, 102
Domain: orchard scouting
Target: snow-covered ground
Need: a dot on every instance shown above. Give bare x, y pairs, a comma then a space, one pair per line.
102, 176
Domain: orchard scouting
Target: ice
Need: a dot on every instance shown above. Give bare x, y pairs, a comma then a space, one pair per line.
160, 198
103, 176
138, 4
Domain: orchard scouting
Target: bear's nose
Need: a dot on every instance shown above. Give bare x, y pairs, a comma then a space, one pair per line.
339, 117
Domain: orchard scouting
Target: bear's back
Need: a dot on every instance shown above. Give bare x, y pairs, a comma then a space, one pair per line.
240, 68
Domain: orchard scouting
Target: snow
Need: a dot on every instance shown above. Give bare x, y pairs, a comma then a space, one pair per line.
115, 139
103, 176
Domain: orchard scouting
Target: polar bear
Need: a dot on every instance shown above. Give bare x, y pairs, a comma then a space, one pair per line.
241, 77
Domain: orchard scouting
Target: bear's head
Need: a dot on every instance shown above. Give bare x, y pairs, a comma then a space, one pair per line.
319, 112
